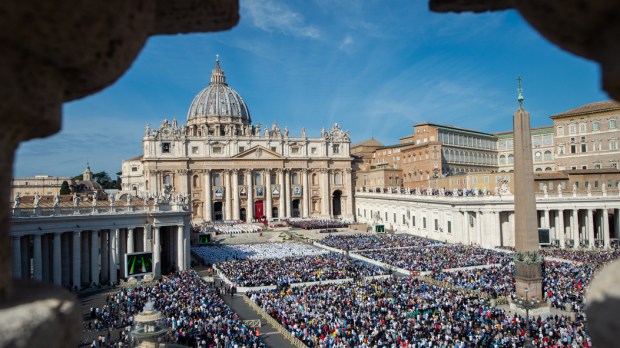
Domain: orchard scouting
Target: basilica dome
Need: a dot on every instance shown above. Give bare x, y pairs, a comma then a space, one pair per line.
219, 100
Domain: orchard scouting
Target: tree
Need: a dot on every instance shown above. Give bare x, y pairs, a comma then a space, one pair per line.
64, 188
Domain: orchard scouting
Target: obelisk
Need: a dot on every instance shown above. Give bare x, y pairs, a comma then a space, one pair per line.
528, 263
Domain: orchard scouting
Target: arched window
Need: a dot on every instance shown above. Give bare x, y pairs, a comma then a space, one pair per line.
539, 169
258, 179
548, 156
295, 178
315, 179
166, 179
217, 179
548, 169
195, 181
511, 159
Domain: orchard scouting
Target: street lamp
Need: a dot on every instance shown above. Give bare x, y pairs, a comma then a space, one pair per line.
528, 304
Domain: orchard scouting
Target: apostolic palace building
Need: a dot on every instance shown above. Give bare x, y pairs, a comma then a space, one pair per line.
231, 169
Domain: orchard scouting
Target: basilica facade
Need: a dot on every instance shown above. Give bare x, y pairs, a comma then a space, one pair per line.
228, 168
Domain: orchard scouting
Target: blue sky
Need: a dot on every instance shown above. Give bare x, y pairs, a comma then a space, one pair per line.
376, 67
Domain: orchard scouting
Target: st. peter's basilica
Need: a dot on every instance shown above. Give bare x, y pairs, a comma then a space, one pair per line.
232, 169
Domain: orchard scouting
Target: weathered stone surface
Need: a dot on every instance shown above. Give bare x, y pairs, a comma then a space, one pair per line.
588, 28
603, 306
40, 315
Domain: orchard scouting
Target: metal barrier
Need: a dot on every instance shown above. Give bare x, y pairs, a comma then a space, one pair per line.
253, 323
281, 329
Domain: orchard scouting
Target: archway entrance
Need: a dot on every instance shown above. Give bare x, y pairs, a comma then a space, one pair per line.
242, 214
258, 210
274, 212
336, 207
295, 208
217, 211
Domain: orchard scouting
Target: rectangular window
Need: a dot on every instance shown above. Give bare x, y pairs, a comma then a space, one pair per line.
573, 148
413, 220
582, 128
386, 217
595, 183
560, 131
336, 148
133, 169
547, 139
313, 151
612, 124
394, 217
436, 225
294, 150
194, 150
241, 149
364, 212
274, 149
595, 126
486, 179
613, 144
536, 141
449, 226
423, 222
217, 150
584, 147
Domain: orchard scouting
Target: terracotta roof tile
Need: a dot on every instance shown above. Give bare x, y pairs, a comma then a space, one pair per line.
590, 109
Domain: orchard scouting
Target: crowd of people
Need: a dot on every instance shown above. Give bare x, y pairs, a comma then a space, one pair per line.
399, 312
195, 315
235, 228
366, 242
218, 253
315, 224
295, 269
437, 257
594, 258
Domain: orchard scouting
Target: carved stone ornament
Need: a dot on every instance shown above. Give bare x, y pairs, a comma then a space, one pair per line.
337, 134
167, 131
527, 257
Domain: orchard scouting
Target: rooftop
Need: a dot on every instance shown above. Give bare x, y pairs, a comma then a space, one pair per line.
591, 108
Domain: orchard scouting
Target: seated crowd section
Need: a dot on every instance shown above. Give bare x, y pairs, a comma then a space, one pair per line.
317, 224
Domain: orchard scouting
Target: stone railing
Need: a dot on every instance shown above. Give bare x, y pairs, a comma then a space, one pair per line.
96, 210
495, 197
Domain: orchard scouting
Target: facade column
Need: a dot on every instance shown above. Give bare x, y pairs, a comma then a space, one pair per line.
287, 192
156, 251
180, 248
94, 257
130, 241
590, 226
325, 193
85, 252
37, 259
17, 257
249, 214
560, 228
281, 209
235, 193
208, 203
306, 194
184, 176
57, 274
113, 237
145, 239
227, 195
348, 186
268, 201
76, 261
605, 228
574, 226
546, 222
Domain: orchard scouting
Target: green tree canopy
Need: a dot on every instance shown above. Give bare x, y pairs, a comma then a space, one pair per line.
64, 188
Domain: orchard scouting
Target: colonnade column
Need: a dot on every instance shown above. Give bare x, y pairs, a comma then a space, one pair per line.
306, 192
37, 258
547, 223
76, 264
186, 242
113, 237
156, 251
325, 193
605, 228
268, 201
57, 270
249, 214
590, 226
227, 195
104, 253
180, 247
235, 193
281, 211
207, 203
94, 257
17, 257
45, 246
130, 240
574, 226
287, 191
560, 228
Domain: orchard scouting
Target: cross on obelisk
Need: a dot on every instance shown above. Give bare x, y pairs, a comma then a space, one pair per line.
528, 263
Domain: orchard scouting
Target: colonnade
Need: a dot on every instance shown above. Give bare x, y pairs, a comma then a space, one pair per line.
83, 258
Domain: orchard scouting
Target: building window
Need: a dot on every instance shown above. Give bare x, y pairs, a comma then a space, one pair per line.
217, 179
194, 150
424, 222
336, 148
338, 178
612, 123
273, 179
536, 141
195, 181
560, 131
294, 150
413, 221
547, 140
597, 145
572, 128
548, 156
613, 144
584, 147
274, 149
258, 179
582, 128
449, 226
313, 151
133, 169
573, 148
295, 178
165, 147
561, 150
537, 156
502, 159
241, 149
241, 179
217, 150
166, 179
596, 126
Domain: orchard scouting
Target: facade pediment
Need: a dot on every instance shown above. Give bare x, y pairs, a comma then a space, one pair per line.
258, 152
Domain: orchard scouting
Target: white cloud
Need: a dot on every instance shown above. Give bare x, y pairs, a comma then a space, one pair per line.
270, 16
346, 44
